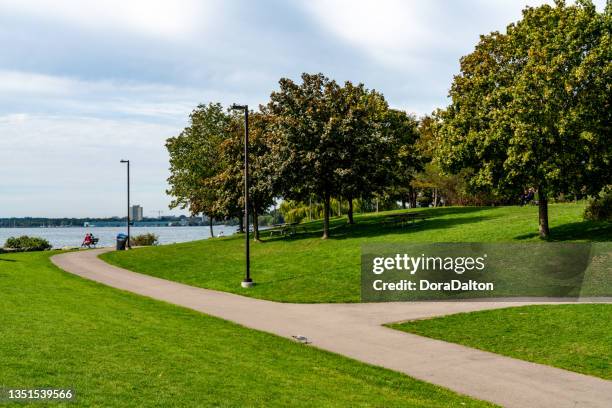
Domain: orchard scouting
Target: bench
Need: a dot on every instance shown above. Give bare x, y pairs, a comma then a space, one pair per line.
287, 229
403, 220
93, 243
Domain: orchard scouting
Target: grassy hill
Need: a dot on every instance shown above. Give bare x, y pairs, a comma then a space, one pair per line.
116, 349
304, 268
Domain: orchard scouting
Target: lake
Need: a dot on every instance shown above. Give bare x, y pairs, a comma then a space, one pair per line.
73, 236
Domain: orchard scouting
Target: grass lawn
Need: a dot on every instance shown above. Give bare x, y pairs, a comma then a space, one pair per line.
121, 350
575, 337
306, 269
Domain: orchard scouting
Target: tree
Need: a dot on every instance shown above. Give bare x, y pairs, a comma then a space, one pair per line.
401, 130
531, 107
308, 142
194, 160
262, 174
228, 182
365, 155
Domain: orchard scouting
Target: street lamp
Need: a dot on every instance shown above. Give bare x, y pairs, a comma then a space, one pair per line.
128, 201
247, 282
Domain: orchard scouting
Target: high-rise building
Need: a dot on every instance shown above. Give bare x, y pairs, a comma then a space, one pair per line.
136, 213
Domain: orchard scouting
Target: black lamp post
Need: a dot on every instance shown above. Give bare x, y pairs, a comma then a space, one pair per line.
247, 282
128, 202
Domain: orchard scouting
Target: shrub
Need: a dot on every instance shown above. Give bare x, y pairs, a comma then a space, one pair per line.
600, 209
144, 240
27, 243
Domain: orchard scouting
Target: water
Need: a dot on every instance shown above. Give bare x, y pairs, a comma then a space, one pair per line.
73, 236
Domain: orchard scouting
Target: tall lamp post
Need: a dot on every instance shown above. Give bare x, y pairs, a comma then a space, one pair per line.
128, 202
247, 282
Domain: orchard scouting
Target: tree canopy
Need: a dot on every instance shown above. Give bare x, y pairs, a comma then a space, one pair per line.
194, 160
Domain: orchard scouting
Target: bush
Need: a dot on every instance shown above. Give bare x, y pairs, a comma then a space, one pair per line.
600, 209
27, 243
144, 240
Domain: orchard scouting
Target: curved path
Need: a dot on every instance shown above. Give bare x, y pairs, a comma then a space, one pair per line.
356, 331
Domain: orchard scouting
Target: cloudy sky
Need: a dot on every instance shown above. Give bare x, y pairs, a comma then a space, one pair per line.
86, 83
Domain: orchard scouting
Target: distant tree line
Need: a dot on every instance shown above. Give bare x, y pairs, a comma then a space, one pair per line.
529, 109
36, 222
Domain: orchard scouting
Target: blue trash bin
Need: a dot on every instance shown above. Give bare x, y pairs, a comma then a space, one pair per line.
121, 241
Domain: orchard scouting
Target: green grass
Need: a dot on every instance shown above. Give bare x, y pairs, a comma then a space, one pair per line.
306, 269
575, 337
121, 350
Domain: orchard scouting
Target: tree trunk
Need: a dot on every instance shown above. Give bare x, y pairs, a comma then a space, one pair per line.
210, 224
413, 195
543, 213
350, 211
326, 211
241, 223
309, 208
435, 197
403, 204
255, 226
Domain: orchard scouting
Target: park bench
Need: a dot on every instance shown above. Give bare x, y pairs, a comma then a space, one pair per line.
287, 229
93, 243
404, 220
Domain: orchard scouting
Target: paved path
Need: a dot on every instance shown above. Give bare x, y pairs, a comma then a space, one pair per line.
355, 330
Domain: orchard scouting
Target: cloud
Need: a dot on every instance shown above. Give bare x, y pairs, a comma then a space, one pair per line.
50, 94
73, 162
157, 18
391, 31
415, 35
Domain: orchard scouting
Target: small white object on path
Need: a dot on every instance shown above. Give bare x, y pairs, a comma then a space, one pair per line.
355, 330
301, 339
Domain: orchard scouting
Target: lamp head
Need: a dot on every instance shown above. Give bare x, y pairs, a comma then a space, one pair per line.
124, 161
235, 106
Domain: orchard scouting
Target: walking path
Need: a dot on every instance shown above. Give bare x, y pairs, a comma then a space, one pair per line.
356, 331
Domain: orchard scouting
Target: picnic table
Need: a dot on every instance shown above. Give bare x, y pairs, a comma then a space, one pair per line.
404, 220
290, 228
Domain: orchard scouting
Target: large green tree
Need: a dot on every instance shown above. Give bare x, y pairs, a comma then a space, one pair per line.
402, 132
309, 144
365, 162
531, 107
194, 161
229, 181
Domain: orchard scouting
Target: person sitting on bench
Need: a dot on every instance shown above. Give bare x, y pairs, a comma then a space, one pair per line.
528, 196
88, 241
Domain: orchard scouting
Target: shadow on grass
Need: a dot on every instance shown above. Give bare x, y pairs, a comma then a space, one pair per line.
372, 225
577, 231
8, 260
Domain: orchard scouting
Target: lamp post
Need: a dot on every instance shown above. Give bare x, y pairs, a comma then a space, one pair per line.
247, 282
128, 202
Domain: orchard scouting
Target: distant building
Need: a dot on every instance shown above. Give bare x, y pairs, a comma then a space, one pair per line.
135, 213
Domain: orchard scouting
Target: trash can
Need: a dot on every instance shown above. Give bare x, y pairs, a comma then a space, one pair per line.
121, 242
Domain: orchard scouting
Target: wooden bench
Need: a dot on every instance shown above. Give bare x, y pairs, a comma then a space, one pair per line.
287, 229
403, 220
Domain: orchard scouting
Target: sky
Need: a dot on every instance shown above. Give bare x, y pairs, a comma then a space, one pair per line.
86, 83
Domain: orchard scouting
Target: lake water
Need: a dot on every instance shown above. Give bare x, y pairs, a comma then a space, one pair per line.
73, 236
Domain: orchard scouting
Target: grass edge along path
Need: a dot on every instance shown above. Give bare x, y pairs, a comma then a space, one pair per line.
121, 349
574, 337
